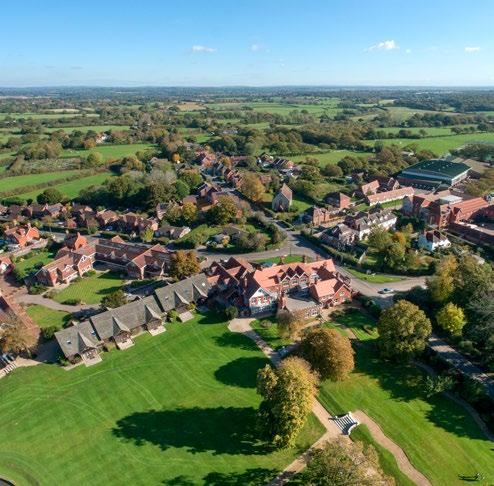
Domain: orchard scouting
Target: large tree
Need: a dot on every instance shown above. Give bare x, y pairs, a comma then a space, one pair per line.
289, 324
403, 331
14, 336
451, 318
184, 264
288, 394
114, 299
329, 353
225, 211
441, 285
343, 463
252, 187
50, 196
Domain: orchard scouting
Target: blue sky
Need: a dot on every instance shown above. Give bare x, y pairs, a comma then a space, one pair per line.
246, 42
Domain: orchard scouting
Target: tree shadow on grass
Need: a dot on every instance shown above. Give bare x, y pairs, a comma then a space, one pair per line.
218, 430
235, 340
250, 477
240, 372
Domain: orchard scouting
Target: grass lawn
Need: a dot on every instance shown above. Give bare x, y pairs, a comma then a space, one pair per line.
300, 204
111, 151
178, 408
71, 189
34, 260
270, 334
45, 317
91, 289
377, 278
357, 321
277, 260
332, 157
439, 436
15, 182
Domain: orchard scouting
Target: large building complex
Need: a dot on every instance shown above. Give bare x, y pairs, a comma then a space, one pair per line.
432, 173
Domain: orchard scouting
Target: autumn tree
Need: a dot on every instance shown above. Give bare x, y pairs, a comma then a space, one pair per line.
289, 324
288, 394
451, 318
441, 285
147, 235
225, 211
184, 264
329, 353
189, 212
14, 336
252, 187
341, 463
403, 331
50, 196
114, 299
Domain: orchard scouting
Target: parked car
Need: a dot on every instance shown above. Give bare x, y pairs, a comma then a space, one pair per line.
386, 290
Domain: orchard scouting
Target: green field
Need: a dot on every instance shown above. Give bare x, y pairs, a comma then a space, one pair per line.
46, 116
71, 189
15, 182
439, 437
45, 317
332, 157
111, 151
358, 322
85, 128
440, 145
178, 408
270, 334
277, 260
377, 278
91, 289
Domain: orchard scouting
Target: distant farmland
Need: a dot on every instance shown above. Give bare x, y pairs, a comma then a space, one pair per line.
111, 151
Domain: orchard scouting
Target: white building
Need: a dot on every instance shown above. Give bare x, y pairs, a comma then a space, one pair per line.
432, 240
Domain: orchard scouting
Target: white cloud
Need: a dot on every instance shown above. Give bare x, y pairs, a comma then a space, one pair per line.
199, 48
387, 45
472, 49
408, 51
255, 47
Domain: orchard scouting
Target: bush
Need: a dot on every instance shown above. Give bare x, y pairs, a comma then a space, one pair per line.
231, 312
90, 273
172, 315
37, 289
72, 302
49, 332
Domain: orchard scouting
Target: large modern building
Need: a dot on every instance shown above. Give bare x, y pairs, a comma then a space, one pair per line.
431, 173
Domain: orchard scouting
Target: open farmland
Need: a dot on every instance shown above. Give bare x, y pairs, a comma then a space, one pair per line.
46, 116
178, 408
440, 145
85, 128
15, 182
111, 151
332, 157
71, 189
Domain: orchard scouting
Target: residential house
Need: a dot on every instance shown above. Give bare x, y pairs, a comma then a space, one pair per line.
161, 210
21, 236
369, 188
364, 223
106, 218
318, 216
338, 200
433, 240
75, 241
80, 342
172, 232
388, 196
283, 199
296, 287
340, 236
6, 265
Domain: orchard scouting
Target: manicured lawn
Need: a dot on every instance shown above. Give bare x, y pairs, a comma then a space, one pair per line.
34, 260
377, 278
71, 189
358, 322
277, 260
178, 408
270, 334
439, 436
300, 204
111, 151
91, 289
45, 317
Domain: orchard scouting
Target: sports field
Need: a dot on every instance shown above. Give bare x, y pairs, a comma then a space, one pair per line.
178, 408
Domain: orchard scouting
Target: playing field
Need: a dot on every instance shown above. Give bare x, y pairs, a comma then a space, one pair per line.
332, 157
178, 408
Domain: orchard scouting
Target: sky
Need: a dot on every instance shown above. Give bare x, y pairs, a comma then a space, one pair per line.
246, 43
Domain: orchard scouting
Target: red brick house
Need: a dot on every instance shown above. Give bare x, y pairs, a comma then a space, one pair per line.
21, 236
338, 200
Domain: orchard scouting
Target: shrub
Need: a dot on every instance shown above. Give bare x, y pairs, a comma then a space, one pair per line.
49, 332
231, 312
37, 289
72, 302
172, 315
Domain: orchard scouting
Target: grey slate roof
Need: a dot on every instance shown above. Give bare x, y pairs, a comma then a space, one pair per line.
78, 338
183, 292
126, 318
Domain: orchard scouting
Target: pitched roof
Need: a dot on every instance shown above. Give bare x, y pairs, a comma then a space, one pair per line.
77, 339
184, 292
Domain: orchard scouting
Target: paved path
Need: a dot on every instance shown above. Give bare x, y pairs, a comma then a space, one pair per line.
458, 361
242, 325
52, 304
400, 456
